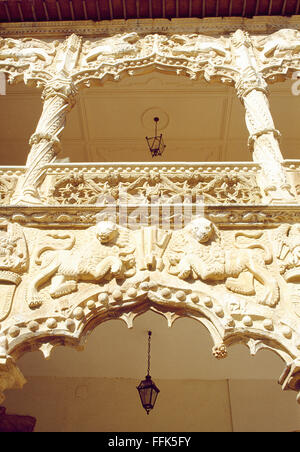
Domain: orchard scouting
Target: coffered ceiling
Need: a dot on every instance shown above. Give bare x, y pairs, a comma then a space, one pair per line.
200, 121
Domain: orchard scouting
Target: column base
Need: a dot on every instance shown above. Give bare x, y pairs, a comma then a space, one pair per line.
26, 199
280, 195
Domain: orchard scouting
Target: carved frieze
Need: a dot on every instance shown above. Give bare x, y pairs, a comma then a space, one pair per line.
156, 186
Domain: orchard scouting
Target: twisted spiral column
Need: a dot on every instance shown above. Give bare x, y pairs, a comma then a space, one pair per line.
58, 97
264, 138
264, 141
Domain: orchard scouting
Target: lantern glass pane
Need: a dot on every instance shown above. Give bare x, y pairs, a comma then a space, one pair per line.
148, 396
154, 396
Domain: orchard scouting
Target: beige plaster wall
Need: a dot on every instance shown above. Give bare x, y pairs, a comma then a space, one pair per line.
113, 405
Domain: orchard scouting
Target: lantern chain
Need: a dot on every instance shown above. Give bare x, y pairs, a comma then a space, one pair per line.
149, 349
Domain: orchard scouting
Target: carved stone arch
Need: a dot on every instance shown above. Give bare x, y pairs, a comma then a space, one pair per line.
46, 332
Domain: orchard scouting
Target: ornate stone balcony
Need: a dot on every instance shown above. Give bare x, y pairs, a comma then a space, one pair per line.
216, 242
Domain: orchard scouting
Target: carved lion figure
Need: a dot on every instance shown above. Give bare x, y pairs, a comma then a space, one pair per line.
106, 253
194, 45
116, 46
30, 50
197, 252
281, 43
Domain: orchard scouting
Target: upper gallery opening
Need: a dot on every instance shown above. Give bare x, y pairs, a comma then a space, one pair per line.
200, 122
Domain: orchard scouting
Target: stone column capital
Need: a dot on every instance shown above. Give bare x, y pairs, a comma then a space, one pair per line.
61, 87
245, 84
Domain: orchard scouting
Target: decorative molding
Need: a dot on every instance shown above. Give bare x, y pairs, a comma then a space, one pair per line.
214, 26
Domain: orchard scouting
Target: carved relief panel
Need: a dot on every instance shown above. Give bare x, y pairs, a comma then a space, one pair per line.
240, 283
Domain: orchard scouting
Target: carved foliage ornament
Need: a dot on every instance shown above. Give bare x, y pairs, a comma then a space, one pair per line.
155, 187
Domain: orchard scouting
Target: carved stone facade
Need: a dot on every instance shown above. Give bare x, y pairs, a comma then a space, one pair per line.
218, 242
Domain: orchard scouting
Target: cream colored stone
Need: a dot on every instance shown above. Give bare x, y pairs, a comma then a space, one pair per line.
234, 269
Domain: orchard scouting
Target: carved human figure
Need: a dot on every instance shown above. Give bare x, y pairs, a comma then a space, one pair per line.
197, 252
107, 252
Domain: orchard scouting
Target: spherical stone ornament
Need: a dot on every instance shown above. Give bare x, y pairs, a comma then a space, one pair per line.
152, 286
208, 302
166, 293
194, 297
117, 295
247, 321
131, 293
103, 298
180, 295
33, 326
219, 311
51, 323
91, 305
268, 324
70, 324
14, 331
78, 313
144, 286
286, 331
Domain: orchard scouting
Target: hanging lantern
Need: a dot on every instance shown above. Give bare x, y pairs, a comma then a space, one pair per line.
148, 391
156, 144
